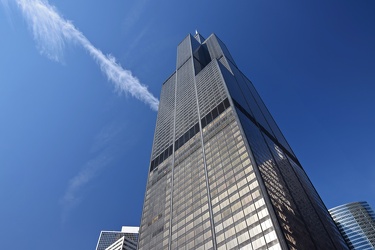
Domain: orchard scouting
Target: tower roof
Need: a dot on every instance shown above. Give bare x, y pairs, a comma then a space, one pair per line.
199, 37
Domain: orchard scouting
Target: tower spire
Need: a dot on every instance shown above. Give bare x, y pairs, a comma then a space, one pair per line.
198, 37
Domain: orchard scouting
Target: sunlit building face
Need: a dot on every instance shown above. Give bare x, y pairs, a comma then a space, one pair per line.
356, 222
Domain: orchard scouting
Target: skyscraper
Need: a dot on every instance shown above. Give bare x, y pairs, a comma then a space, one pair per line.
113, 240
222, 175
356, 222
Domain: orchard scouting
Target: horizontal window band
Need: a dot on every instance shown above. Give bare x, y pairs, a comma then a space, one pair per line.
207, 119
263, 130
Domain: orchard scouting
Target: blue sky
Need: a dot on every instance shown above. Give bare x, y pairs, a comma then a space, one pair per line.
74, 148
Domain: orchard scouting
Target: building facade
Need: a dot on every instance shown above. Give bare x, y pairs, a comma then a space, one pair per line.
222, 175
113, 240
356, 222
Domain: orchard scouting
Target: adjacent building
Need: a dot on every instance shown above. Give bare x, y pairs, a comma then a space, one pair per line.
221, 174
113, 240
356, 222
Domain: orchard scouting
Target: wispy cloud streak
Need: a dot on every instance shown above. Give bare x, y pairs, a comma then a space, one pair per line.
73, 196
51, 33
104, 150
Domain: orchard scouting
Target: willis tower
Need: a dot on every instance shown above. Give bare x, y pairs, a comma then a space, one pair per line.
221, 174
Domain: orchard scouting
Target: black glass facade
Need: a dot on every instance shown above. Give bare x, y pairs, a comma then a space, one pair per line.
222, 176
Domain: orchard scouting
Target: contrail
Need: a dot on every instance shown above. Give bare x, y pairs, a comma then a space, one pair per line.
51, 32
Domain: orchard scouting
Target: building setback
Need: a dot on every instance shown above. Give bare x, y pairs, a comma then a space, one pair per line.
222, 175
113, 240
356, 222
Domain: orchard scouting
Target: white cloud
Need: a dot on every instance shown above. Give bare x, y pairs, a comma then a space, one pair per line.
72, 196
51, 33
133, 15
108, 136
103, 149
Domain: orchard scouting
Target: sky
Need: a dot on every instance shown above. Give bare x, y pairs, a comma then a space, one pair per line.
79, 89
